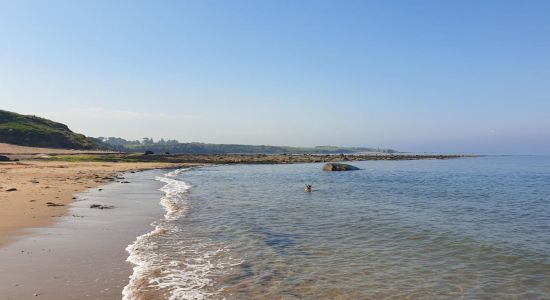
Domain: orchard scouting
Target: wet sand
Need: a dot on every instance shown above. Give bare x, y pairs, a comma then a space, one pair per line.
38, 183
82, 256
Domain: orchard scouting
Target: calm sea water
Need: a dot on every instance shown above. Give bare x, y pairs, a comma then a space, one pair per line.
473, 228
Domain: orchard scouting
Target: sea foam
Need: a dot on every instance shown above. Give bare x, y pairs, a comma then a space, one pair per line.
144, 253
168, 265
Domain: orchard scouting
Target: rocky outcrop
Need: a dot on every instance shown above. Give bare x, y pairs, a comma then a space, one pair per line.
339, 167
4, 158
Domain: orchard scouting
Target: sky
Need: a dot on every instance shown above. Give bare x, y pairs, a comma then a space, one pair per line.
424, 76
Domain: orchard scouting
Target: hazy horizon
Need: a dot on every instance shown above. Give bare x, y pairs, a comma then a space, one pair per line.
419, 76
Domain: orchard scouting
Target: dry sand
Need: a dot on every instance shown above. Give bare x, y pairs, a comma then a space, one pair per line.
82, 255
15, 149
38, 183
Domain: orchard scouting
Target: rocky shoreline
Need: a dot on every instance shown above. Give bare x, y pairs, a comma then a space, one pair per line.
244, 158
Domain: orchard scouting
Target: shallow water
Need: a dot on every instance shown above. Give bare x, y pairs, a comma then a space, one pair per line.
476, 228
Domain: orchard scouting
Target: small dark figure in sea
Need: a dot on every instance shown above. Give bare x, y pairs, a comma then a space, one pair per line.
307, 189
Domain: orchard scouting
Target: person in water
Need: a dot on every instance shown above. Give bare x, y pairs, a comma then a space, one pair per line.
307, 189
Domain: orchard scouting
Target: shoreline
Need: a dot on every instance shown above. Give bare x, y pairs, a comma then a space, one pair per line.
44, 190
28, 225
240, 158
45, 186
83, 254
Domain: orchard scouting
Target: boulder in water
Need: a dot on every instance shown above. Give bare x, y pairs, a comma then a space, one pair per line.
339, 167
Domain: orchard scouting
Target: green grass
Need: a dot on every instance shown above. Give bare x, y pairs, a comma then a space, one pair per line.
39, 132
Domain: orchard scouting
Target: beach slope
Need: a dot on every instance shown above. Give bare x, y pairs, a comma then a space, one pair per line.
34, 193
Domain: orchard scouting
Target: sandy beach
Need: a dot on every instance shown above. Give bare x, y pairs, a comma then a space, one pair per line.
33, 194
82, 254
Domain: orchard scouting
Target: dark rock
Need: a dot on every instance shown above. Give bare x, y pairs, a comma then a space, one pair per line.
54, 204
99, 206
339, 167
11, 190
125, 182
4, 158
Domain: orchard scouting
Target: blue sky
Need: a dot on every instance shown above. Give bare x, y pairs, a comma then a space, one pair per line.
442, 76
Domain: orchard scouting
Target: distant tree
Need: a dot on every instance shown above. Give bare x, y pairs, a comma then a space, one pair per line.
148, 141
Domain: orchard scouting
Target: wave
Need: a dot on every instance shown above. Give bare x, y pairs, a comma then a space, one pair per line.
166, 264
144, 252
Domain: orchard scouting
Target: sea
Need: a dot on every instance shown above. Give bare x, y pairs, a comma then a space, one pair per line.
466, 228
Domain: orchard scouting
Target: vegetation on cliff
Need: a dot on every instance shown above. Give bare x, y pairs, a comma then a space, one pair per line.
34, 131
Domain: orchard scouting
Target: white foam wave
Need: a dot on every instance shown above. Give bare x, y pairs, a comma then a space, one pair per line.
176, 172
163, 262
145, 246
189, 278
172, 200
